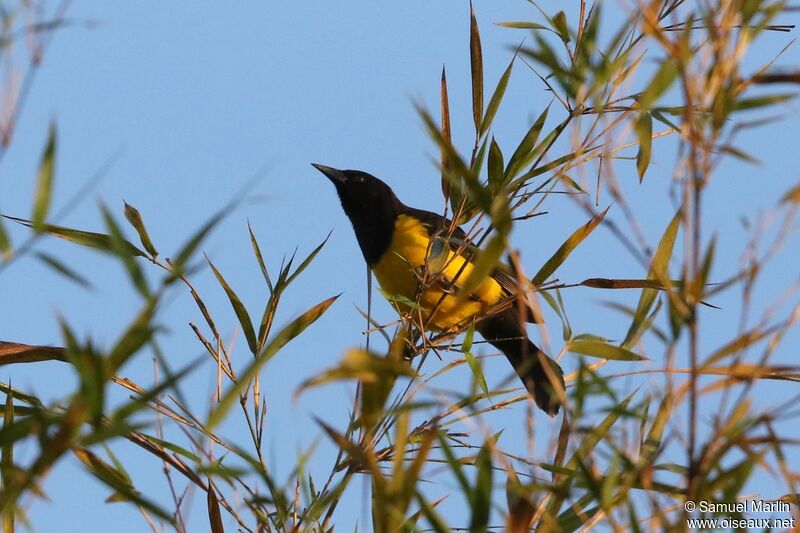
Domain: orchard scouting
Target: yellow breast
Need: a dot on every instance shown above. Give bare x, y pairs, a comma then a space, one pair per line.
399, 270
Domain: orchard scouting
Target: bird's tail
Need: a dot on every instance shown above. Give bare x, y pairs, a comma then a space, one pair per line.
541, 375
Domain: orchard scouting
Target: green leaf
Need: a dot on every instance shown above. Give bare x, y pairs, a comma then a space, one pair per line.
118, 245
603, 350
658, 271
559, 22
44, 181
135, 218
259, 257
63, 269
496, 173
307, 261
98, 241
239, 309
444, 160
6, 250
523, 25
139, 332
661, 81
497, 97
484, 265
472, 361
295, 328
523, 154
7, 462
118, 482
476, 67
755, 102
481, 496
569, 245
360, 365
644, 131
194, 241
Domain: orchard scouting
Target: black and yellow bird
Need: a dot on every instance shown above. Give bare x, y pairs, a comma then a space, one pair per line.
396, 241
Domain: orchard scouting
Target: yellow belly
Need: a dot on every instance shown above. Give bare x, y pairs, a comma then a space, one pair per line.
396, 274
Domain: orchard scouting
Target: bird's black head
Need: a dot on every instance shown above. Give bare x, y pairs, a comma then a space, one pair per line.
371, 206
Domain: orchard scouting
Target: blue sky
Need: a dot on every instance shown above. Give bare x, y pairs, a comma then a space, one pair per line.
193, 100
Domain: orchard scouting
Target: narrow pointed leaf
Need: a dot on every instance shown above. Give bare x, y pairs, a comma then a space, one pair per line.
295, 328
6, 248
135, 218
11, 353
496, 166
44, 181
214, 514
559, 22
661, 81
7, 462
569, 245
98, 241
239, 309
603, 350
444, 160
476, 66
659, 271
481, 497
644, 131
497, 97
522, 155
63, 269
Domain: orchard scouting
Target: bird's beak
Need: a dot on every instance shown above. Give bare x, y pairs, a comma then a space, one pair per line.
336, 176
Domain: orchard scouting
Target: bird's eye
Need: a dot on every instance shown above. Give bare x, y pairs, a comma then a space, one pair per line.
360, 179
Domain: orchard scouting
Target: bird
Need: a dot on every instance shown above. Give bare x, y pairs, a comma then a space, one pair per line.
398, 243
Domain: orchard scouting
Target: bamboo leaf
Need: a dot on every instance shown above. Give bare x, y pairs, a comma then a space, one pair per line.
523, 25
603, 350
7, 462
481, 496
569, 245
741, 342
496, 173
483, 265
443, 156
661, 81
64, 270
214, 514
476, 67
497, 97
659, 271
259, 257
644, 131
98, 241
135, 218
118, 245
522, 155
295, 328
472, 361
307, 261
118, 482
363, 366
606, 283
11, 353
239, 309
559, 22
44, 182
6, 249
